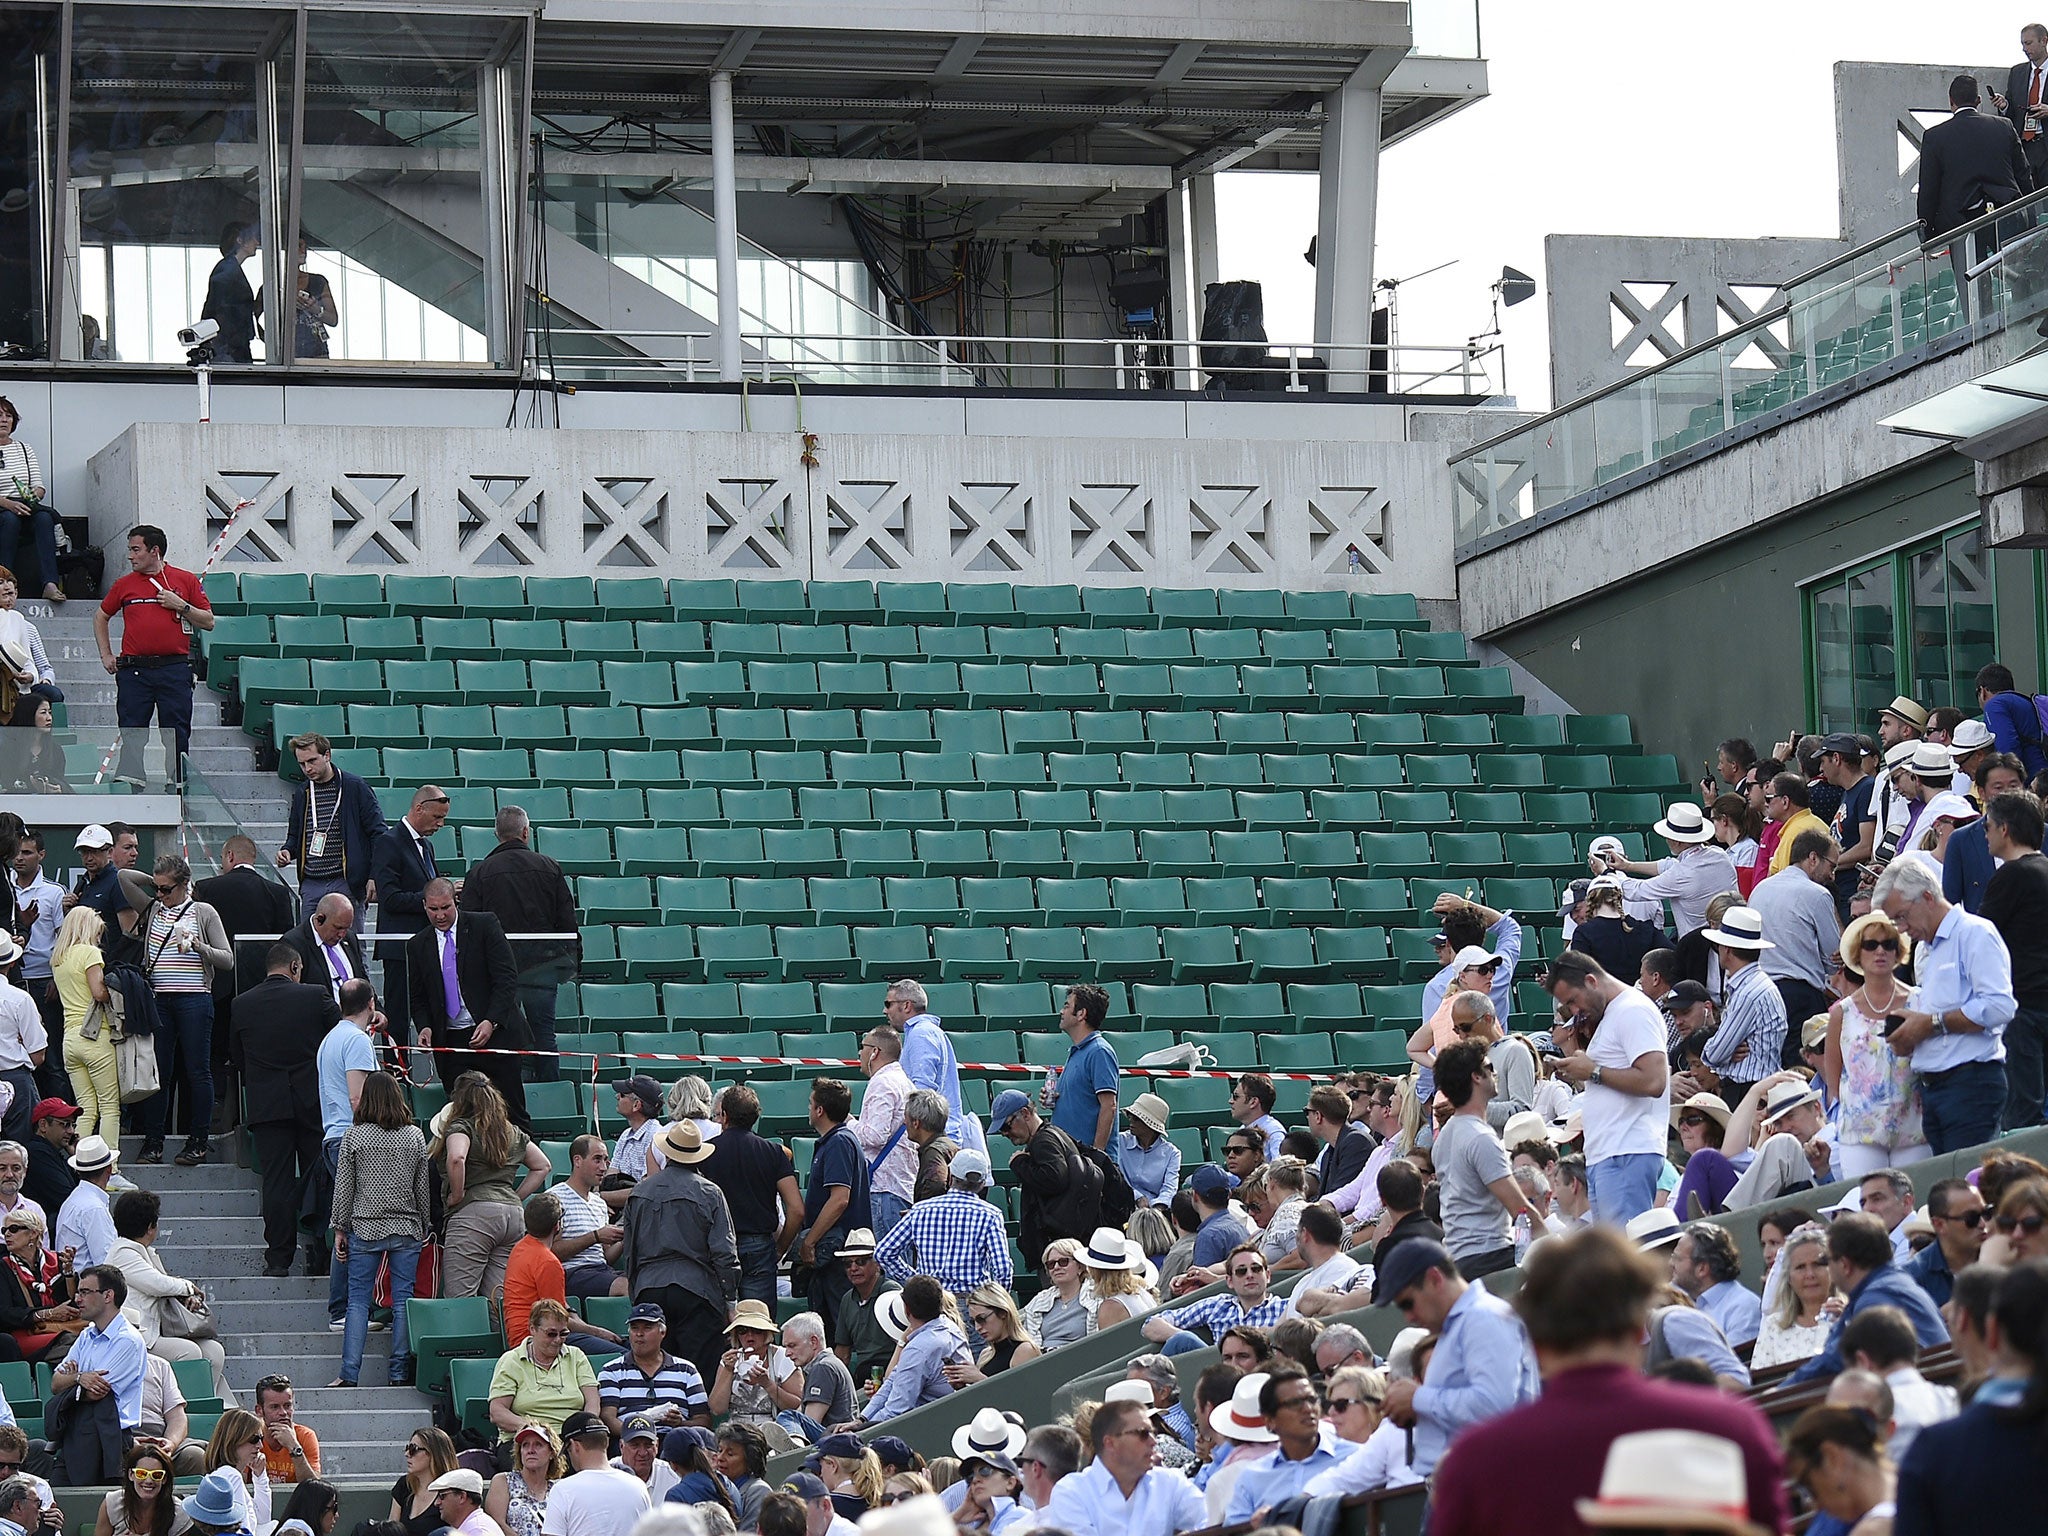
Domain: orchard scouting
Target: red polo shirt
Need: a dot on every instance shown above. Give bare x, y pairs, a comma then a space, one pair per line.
1526, 1470
147, 627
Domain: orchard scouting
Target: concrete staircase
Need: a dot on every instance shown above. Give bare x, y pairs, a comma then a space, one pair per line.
212, 1233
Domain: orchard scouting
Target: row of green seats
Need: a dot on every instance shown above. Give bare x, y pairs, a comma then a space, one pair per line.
580, 597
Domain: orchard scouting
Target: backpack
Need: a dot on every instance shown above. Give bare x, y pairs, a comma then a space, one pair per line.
1119, 1200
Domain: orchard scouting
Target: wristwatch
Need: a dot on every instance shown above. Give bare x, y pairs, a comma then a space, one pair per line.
1597, 1072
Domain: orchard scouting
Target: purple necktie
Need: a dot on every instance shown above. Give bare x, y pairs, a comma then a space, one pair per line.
338, 964
449, 987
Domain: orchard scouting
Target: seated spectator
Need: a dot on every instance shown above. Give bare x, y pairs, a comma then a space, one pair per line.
1064, 1309
1707, 1266
588, 1240
459, 1496
543, 1379
1956, 1212
1701, 1121
857, 1334
428, 1453
1967, 1475
291, 1451
152, 1292
533, 1273
236, 1447
647, 1380
1320, 1240
637, 1458
1880, 1340
1293, 1411
220, 1504
1839, 1457
1670, 1480
852, 1473
1795, 1148
1860, 1254
312, 1510
990, 1507
164, 1424
1247, 1301
756, 1373
1355, 1394
144, 1504
1217, 1230
2022, 1212
1121, 1492
1121, 1277
517, 1498
595, 1499
36, 1288
1246, 1346
741, 1458
1150, 1162
688, 1454
824, 1393
1587, 1301
929, 1343
992, 1310
1796, 1325
1386, 1457
1163, 1382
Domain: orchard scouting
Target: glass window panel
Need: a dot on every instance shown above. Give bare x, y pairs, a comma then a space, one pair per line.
1871, 643
1928, 575
1834, 672
1973, 614
29, 47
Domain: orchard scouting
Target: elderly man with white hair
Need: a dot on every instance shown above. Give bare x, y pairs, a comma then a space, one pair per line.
821, 1392
1955, 1037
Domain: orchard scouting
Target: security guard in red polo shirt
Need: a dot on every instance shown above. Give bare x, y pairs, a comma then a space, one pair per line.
154, 671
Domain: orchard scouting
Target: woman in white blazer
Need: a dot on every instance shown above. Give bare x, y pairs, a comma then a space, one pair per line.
152, 1289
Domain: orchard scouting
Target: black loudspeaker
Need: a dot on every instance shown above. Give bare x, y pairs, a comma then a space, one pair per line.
1234, 314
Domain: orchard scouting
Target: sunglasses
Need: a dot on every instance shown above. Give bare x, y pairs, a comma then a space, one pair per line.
1461, 1029
2029, 1224
140, 1474
1058, 1261
897, 1498
552, 1333
1341, 1404
1967, 1218
1240, 1274
1890, 944
165, 890
17, 1226
1139, 1434
415, 1450
1305, 1400
1692, 1120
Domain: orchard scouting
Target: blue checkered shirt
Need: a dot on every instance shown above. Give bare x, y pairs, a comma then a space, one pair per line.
1220, 1314
956, 1238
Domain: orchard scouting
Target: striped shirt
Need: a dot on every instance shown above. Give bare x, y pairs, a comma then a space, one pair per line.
174, 969
582, 1214
1220, 1314
1752, 1013
956, 1238
626, 1389
19, 471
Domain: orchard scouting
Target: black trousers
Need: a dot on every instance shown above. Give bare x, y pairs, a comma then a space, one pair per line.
696, 1329
396, 993
1802, 1001
1487, 1263
503, 1071
289, 1151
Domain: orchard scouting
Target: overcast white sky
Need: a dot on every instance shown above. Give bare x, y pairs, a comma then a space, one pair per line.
1605, 118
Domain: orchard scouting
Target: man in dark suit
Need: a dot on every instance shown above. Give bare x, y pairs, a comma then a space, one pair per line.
328, 947
278, 1030
2025, 102
465, 995
1968, 165
527, 893
247, 903
401, 864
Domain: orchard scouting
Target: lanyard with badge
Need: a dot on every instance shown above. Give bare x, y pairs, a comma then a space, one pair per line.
316, 840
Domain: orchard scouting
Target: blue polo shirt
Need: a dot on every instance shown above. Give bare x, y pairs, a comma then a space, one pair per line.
1091, 1069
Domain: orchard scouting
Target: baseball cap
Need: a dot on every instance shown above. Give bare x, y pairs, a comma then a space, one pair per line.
643, 1088
1209, 1181
1474, 957
1842, 744
94, 836
892, 1449
839, 1445
1007, 1103
647, 1312
971, 1167
1686, 994
584, 1425
1410, 1262
639, 1427
53, 1109
807, 1487
677, 1443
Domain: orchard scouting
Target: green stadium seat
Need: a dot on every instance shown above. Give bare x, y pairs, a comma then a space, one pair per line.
698, 899
1299, 901
702, 598
1125, 954
914, 602
1393, 1007
1047, 954
579, 850
1490, 808
1626, 807
1139, 685
810, 851
877, 852
1353, 954
1532, 897
974, 954
740, 952
656, 953
854, 684
673, 806
815, 642
1075, 900
1278, 687
1222, 770
1263, 852
1478, 853
999, 901
1396, 853
887, 954
1590, 771
1355, 810
1278, 954
1223, 645
1055, 807
926, 900
1160, 645
1537, 731
1569, 809
442, 1329
1429, 769
1373, 901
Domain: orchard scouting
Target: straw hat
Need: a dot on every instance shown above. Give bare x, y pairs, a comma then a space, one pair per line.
1672, 1479
683, 1143
752, 1314
1150, 1110
1241, 1418
1852, 940
1712, 1105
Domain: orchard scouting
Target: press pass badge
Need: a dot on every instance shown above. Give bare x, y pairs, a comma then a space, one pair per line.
317, 845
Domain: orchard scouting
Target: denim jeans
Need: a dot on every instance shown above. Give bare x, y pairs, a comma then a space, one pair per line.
757, 1269
363, 1259
337, 1274
886, 1210
1960, 1107
187, 1037
803, 1429
1623, 1187
41, 526
1183, 1343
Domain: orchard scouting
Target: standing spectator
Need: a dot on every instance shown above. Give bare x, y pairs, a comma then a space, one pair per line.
1695, 872
278, 1030
154, 672
1586, 1300
490, 1168
23, 1043
836, 1199
1482, 1366
1149, 1161
957, 1239
858, 1336
1248, 1302
331, 830
647, 1381
1877, 1119
1347, 1149
595, 1499
1750, 1042
1616, 1047
345, 1062
2016, 904
527, 893
465, 996
1786, 816
679, 1250
759, 1182
1251, 1105
1121, 1492
1083, 1097
1855, 823
1480, 1196
1061, 1190
2015, 723
1797, 906
881, 1130
184, 944
80, 976
85, 1224
1469, 924
1707, 1266
380, 1216
1958, 1215
1970, 1474
39, 905
587, 1241
930, 1343
1860, 1254
1955, 1037
327, 943
248, 901
1967, 863
401, 864
925, 1117
928, 1057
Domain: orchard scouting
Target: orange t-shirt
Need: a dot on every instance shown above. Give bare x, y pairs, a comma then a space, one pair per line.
279, 1463
531, 1274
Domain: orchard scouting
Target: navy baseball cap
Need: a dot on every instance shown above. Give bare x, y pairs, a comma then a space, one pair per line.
647, 1312
807, 1486
1007, 1103
1409, 1262
1209, 1181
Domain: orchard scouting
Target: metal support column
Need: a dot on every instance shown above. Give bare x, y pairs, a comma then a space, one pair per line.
1191, 263
1349, 176
726, 219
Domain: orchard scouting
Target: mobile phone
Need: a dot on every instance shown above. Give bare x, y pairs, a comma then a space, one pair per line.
1892, 1022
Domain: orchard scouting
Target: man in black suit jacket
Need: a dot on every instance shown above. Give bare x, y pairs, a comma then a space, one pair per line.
248, 902
278, 1031
487, 988
401, 864
326, 940
1969, 164
2025, 102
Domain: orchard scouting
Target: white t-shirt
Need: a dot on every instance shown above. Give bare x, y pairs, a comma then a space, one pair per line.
1334, 1272
595, 1502
1618, 1124
663, 1478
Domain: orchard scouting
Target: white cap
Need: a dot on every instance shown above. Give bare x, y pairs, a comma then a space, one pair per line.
1475, 956
970, 1166
94, 836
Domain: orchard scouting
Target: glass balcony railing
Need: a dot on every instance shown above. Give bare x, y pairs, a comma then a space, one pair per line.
1444, 29
1842, 322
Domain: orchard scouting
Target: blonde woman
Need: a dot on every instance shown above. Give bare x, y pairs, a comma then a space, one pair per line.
1877, 1093
518, 1499
905, 1485
1796, 1327
1121, 1277
993, 1311
688, 1098
1065, 1309
483, 1154
80, 971
858, 1476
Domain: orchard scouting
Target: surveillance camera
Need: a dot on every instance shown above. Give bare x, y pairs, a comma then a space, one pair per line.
199, 333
